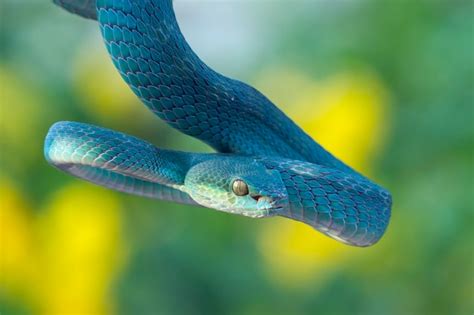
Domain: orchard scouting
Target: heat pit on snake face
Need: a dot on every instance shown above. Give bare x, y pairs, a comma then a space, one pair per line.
256, 197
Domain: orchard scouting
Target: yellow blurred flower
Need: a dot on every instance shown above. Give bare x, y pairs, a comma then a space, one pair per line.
347, 115
17, 250
65, 259
82, 250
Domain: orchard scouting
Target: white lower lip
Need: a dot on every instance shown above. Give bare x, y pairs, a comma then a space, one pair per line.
264, 202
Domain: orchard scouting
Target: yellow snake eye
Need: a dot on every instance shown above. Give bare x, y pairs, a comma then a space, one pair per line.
240, 188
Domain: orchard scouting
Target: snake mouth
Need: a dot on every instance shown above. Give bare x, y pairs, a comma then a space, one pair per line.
265, 202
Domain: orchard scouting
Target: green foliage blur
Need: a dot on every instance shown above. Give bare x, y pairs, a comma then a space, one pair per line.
386, 85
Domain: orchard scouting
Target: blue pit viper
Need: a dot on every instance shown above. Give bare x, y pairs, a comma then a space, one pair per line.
265, 166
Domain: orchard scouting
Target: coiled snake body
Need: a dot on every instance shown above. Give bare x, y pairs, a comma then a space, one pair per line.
266, 164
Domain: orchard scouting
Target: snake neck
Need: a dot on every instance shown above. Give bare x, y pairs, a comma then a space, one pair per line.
348, 208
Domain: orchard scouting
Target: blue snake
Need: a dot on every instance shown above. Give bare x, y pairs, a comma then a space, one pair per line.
265, 164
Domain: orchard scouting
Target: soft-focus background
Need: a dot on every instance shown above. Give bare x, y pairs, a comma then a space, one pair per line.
388, 86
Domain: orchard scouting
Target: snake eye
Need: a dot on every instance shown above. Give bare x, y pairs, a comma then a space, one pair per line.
240, 188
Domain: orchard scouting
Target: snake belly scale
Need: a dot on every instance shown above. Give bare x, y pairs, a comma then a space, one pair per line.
265, 164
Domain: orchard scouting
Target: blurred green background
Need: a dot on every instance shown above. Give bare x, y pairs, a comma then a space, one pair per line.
388, 86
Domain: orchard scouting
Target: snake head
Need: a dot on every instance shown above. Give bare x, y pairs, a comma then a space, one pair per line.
238, 185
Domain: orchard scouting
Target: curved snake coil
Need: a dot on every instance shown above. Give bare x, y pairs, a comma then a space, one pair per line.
266, 164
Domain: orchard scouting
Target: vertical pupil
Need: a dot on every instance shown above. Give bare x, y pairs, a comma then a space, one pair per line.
240, 188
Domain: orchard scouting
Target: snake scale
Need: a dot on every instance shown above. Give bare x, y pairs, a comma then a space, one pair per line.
265, 164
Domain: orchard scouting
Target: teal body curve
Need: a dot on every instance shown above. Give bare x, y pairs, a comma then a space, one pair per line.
283, 170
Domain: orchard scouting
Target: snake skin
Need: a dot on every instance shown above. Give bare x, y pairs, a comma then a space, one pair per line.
287, 172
